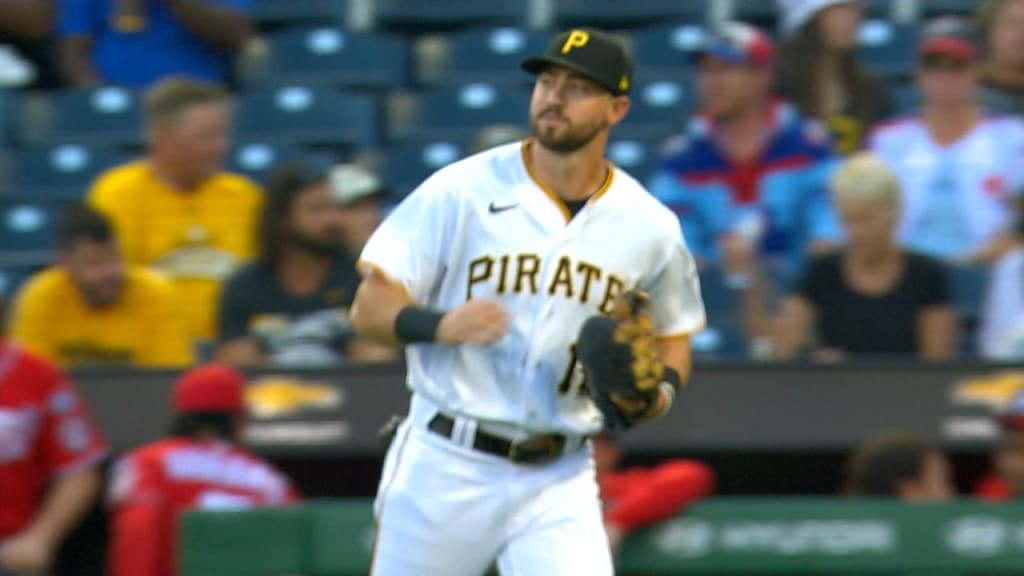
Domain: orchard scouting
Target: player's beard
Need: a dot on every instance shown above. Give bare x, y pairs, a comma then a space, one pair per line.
567, 138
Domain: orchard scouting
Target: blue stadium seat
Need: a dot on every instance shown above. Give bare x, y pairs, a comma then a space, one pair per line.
6, 112
407, 165
667, 50
485, 55
335, 57
967, 287
417, 16
617, 14
457, 112
109, 116
638, 157
295, 11
660, 108
11, 279
905, 98
934, 8
257, 159
308, 115
764, 14
60, 171
888, 49
27, 226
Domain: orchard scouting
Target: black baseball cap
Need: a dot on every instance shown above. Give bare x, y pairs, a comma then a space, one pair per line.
593, 53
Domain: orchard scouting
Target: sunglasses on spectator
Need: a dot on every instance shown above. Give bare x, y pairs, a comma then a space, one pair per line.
943, 62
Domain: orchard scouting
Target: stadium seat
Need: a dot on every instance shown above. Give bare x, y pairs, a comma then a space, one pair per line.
967, 287
660, 108
332, 57
27, 226
637, 157
764, 13
618, 14
308, 115
271, 12
934, 8
905, 98
108, 116
257, 159
407, 165
60, 171
483, 55
457, 112
11, 278
417, 16
667, 50
6, 104
888, 49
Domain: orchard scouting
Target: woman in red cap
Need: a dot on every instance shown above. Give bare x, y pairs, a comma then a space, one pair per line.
200, 466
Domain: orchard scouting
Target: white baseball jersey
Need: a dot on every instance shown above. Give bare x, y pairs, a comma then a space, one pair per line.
955, 197
486, 228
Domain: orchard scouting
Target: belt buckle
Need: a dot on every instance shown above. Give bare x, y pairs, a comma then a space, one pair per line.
553, 446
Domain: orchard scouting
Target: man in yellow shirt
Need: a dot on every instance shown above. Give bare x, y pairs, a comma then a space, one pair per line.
176, 210
90, 308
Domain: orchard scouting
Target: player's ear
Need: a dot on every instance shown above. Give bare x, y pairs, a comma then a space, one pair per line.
618, 109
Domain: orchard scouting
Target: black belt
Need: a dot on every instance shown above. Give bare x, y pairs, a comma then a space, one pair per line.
533, 450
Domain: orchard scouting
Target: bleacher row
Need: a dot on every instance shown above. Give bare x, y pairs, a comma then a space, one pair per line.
409, 96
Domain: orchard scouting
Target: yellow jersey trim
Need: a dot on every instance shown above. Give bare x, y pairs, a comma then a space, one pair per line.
551, 193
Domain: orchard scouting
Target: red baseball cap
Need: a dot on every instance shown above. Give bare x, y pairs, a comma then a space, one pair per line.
210, 388
949, 36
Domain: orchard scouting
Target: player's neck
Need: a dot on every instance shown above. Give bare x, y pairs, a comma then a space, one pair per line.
301, 272
948, 123
572, 177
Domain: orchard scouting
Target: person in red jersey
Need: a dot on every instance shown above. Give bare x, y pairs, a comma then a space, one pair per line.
639, 497
1007, 481
200, 466
50, 452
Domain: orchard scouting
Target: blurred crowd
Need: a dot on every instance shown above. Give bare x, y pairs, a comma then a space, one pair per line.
829, 227
825, 225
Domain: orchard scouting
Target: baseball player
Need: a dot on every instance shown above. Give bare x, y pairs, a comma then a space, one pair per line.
201, 466
542, 293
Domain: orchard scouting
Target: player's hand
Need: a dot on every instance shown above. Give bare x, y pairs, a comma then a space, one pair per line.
477, 322
26, 552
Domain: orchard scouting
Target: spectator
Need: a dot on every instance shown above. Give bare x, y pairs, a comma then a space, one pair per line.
1001, 334
871, 298
201, 465
358, 196
177, 210
899, 465
91, 308
638, 497
137, 42
959, 171
50, 452
819, 72
290, 306
1007, 481
749, 176
26, 27
1001, 90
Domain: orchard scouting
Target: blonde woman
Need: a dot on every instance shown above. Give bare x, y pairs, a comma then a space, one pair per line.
872, 298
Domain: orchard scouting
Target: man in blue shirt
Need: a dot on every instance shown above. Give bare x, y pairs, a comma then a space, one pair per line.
749, 177
134, 43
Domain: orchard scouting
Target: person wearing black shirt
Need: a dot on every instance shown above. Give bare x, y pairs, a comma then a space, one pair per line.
872, 298
290, 307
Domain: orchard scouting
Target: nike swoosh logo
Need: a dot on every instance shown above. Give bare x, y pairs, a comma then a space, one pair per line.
495, 208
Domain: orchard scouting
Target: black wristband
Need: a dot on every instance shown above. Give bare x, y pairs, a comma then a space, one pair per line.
672, 377
414, 324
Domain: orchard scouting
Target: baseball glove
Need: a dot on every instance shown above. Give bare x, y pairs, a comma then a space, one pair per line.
619, 354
